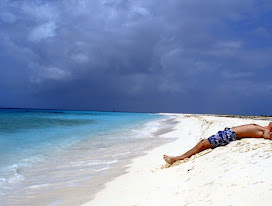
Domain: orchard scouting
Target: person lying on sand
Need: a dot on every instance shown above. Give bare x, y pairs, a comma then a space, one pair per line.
222, 138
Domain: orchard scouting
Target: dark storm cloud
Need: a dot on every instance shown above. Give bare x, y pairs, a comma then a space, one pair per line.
168, 56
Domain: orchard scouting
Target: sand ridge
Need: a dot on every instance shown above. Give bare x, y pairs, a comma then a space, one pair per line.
236, 174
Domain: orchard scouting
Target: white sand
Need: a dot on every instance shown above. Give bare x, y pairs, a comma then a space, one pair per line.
237, 174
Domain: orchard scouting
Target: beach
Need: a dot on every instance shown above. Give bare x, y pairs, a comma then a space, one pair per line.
63, 158
236, 174
98, 97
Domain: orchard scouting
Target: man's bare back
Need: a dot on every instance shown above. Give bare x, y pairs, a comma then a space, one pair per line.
254, 131
224, 137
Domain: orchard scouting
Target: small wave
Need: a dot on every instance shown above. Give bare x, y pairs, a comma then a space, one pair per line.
121, 154
111, 162
10, 175
16, 176
31, 160
147, 130
93, 163
83, 163
101, 169
2, 182
13, 173
39, 186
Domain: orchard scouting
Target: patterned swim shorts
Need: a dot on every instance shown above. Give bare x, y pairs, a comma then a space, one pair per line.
222, 138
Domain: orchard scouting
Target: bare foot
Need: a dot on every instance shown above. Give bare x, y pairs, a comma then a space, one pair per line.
170, 160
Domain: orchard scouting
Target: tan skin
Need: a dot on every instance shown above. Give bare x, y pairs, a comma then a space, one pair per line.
248, 130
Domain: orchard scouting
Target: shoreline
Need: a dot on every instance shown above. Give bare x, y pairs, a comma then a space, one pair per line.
166, 125
199, 179
123, 167
73, 175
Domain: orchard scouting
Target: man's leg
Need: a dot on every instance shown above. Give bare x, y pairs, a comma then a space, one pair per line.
203, 145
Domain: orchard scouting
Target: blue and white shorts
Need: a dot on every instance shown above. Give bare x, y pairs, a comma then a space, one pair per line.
222, 138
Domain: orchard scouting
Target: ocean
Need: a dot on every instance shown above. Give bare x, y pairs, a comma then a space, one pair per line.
58, 157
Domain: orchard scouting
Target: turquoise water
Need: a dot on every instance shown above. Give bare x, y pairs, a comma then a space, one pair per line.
65, 142
26, 134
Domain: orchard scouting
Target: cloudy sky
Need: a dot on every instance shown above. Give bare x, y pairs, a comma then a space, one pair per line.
137, 55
